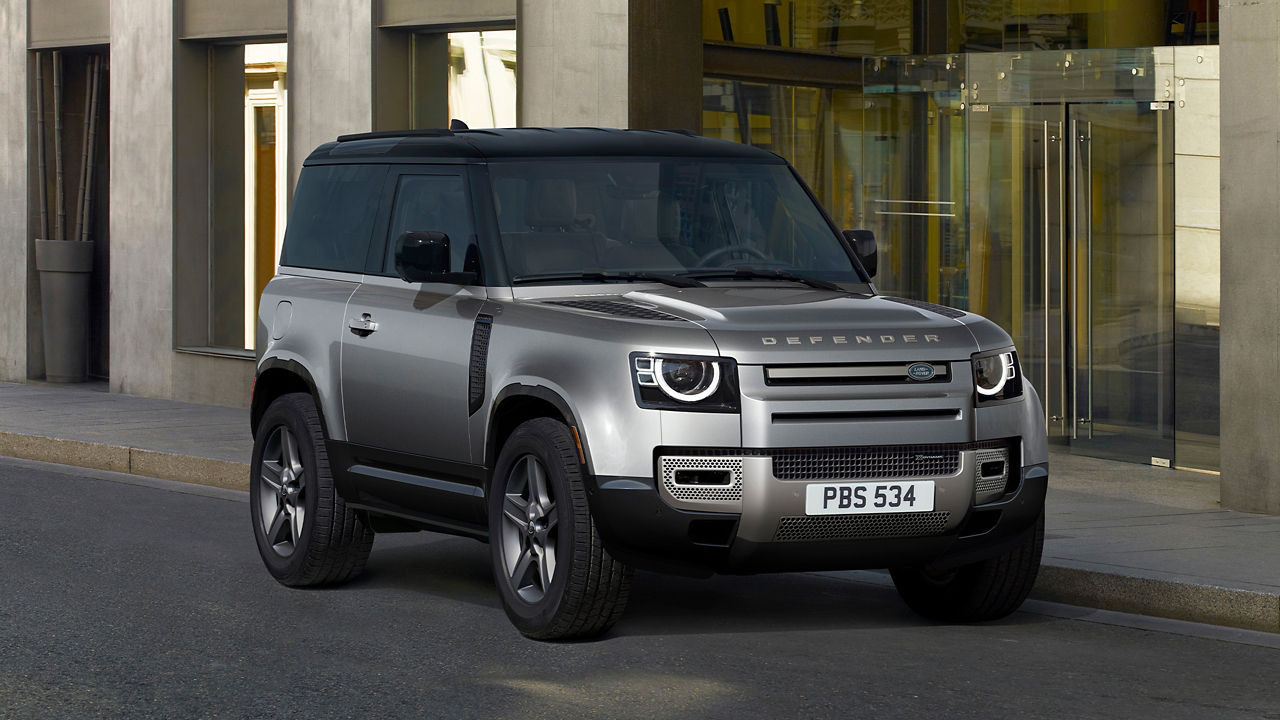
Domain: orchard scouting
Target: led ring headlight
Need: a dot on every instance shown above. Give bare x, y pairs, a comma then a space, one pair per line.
692, 387
992, 372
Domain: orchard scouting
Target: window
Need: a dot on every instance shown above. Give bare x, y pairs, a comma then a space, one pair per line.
432, 203
332, 217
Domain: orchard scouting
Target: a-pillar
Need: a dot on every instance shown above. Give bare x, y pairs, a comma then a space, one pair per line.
609, 63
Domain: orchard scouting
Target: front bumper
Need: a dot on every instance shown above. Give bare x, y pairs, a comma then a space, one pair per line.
758, 523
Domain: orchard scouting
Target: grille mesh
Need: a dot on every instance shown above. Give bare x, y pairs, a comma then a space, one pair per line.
709, 493
621, 309
988, 488
849, 463
844, 527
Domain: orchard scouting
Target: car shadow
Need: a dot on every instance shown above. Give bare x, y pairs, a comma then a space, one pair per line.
458, 569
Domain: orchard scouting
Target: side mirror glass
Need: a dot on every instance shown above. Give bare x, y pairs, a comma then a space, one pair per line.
423, 256
864, 246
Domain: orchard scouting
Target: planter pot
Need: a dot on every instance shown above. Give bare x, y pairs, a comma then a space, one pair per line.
65, 267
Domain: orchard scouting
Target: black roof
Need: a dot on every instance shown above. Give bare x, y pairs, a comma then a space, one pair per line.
481, 145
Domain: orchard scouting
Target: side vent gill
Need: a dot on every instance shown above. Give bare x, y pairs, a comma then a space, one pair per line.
479, 361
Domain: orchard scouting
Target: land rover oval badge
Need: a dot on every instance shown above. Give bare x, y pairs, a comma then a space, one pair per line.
920, 371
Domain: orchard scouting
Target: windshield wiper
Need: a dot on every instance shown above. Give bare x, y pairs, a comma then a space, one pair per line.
600, 276
754, 274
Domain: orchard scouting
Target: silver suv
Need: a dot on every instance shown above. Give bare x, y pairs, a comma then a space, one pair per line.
600, 350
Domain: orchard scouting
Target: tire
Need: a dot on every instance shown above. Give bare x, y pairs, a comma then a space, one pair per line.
554, 577
986, 590
306, 535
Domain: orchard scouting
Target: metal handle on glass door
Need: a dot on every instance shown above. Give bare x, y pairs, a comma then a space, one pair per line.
363, 325
1074, 194
1045, 212
1088, 255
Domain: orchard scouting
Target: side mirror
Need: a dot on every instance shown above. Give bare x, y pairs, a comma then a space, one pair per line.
864, 246
423, 256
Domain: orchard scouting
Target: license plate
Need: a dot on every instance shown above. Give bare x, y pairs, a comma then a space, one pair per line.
868, 497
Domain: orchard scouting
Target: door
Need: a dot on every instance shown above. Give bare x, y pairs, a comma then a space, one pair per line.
1071, 252
405, 361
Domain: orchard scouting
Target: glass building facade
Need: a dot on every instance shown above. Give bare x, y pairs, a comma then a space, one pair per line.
1052, 165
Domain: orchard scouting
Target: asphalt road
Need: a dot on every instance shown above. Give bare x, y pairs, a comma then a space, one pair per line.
128, 598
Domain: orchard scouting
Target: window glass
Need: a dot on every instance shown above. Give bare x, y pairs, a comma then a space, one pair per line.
332, 217
433, 203
671, 215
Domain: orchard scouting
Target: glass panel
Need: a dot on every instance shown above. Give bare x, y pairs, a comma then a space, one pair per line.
913, 191
843, 27
331, 221
482, 78
819, 131
1122, 182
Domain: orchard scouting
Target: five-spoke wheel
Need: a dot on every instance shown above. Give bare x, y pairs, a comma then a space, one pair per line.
281, 502
528, 534
306, 534
554, 576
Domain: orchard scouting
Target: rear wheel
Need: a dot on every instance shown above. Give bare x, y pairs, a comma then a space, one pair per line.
306, 534
554, 577
986, 590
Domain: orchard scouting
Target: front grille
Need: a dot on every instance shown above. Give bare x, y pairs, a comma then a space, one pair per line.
846, 527
620, 309
707, 493
851, 463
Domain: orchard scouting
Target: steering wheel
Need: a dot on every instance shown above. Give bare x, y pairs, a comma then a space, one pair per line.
744, 250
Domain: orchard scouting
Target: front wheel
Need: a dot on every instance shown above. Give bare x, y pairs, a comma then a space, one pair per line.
985, 590
554, 577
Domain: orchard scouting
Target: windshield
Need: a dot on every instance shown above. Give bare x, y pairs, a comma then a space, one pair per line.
664, 216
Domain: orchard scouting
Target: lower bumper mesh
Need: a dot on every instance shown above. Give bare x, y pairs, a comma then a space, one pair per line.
848, 527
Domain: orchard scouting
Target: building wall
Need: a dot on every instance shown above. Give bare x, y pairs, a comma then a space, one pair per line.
330, 74
1250, 255
15, 249
142, 197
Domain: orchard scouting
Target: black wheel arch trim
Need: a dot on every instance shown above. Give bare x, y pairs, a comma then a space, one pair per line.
258, 407
537, 392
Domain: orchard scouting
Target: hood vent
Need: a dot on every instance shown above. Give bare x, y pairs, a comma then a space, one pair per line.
922, 305
619, 309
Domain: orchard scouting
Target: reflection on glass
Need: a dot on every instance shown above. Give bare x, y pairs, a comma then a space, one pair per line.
900, 27
482, 78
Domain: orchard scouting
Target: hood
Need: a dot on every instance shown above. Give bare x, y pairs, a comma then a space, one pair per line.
768, 325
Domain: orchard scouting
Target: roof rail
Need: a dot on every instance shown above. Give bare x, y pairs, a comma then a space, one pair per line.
431, 132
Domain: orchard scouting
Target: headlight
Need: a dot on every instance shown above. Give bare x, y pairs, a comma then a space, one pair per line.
996, 376
684, 383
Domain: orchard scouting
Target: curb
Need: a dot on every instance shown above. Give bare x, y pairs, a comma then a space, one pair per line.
1060, 581
1159, 596
134, 461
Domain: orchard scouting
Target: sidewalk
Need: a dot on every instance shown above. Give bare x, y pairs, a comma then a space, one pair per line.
1120, 536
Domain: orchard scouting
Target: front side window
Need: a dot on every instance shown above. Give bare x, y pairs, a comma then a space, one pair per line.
436, 203
671, 216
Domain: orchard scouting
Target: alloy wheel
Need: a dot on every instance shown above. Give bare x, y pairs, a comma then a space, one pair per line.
529, 530
282, 492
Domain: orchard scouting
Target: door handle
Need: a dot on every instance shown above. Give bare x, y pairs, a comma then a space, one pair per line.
363, 325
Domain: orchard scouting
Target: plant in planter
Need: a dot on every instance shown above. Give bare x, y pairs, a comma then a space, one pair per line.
66, 263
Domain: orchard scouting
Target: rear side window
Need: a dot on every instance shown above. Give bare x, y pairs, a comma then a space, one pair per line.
331, 222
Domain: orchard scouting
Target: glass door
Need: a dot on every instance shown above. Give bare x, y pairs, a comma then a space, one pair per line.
1120, 304
1070, 251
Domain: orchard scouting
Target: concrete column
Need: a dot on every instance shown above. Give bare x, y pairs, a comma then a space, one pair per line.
1250, 255
15, 246
330, 74
142, 197
609, 63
